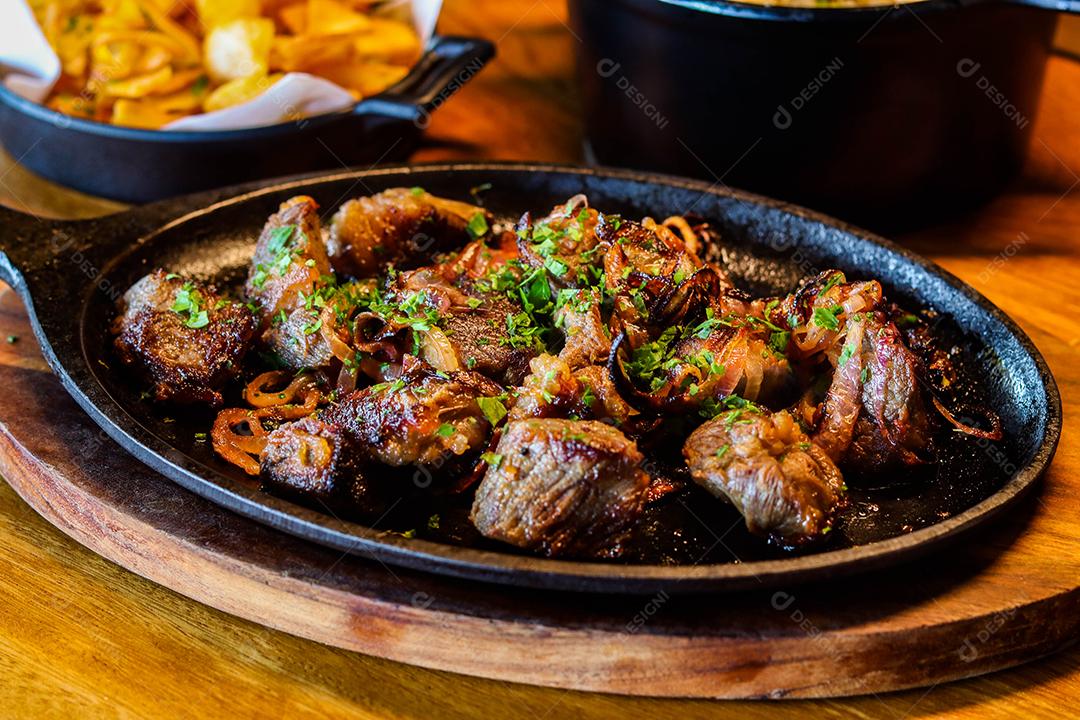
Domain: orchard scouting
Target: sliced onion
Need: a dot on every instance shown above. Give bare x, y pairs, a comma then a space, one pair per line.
995, 432
435, 348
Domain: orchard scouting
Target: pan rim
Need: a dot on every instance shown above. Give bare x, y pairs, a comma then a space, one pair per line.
504, 568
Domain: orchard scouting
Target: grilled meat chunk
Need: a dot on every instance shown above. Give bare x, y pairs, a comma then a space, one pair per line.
183, 336
463, 327
562, 487
785, 486
874, 415
565, 243
554, 390
290, 259
400, 227
310, 458
587, 341
288, 272
424, 417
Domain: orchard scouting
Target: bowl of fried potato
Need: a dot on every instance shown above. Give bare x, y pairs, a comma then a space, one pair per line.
156, 98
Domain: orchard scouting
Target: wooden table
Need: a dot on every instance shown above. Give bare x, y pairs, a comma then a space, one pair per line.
81, 635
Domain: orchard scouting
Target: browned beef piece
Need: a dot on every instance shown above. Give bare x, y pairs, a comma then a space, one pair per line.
565, 242
182, 336
289, 272
554, 390
874, 417
587, 341
785, 486
290, 259
562, 488
313, 460
424, 417
471, 330
401, 227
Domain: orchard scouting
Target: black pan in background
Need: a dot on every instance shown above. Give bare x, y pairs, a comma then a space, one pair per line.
136, 166
69, 274
887, 116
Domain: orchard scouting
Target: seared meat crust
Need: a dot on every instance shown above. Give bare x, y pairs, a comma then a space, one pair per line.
183, 336
400, 227
785, 486
424, 417
874, 415
289, 261
562, 487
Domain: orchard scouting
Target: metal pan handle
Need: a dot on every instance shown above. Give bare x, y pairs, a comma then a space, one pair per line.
24, 244
448, 63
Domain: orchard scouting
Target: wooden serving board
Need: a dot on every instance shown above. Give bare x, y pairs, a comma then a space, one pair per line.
1007, 595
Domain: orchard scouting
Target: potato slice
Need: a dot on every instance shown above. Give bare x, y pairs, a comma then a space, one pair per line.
139, 85
238, 91
214, 13
364, 77
330, 17
145, 114
294, 18
297, 54
239, 49
388, 40
153, 57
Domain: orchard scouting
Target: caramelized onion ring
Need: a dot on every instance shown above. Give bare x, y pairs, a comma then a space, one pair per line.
260, 392
995, 433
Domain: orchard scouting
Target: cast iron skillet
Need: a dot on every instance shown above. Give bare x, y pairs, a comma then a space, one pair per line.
136, 165
69, 274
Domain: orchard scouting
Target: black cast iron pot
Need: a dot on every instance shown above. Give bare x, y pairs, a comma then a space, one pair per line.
884, 115
137, 166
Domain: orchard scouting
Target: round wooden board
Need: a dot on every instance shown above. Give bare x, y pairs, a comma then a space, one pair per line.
1006, 595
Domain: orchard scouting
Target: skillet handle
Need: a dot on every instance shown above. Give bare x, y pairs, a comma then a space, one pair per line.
27, 243
448, 63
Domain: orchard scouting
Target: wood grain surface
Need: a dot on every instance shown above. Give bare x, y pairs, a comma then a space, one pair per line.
76, 632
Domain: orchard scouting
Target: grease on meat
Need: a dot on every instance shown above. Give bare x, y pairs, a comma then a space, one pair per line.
785, 486
183, 336
562, 488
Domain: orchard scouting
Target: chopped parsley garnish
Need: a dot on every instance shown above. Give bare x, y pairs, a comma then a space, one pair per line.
907, 320
778, 341
189, 302
493, 409
492, 459
477, 226
832, 282
12, 339
845, 354
416, 191
445, 430
433, 522
722, 451
828, 318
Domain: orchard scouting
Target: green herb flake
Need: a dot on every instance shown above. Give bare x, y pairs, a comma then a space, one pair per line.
492, 459
493, 409
477, 226
845, 355
828, 318
445, 430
